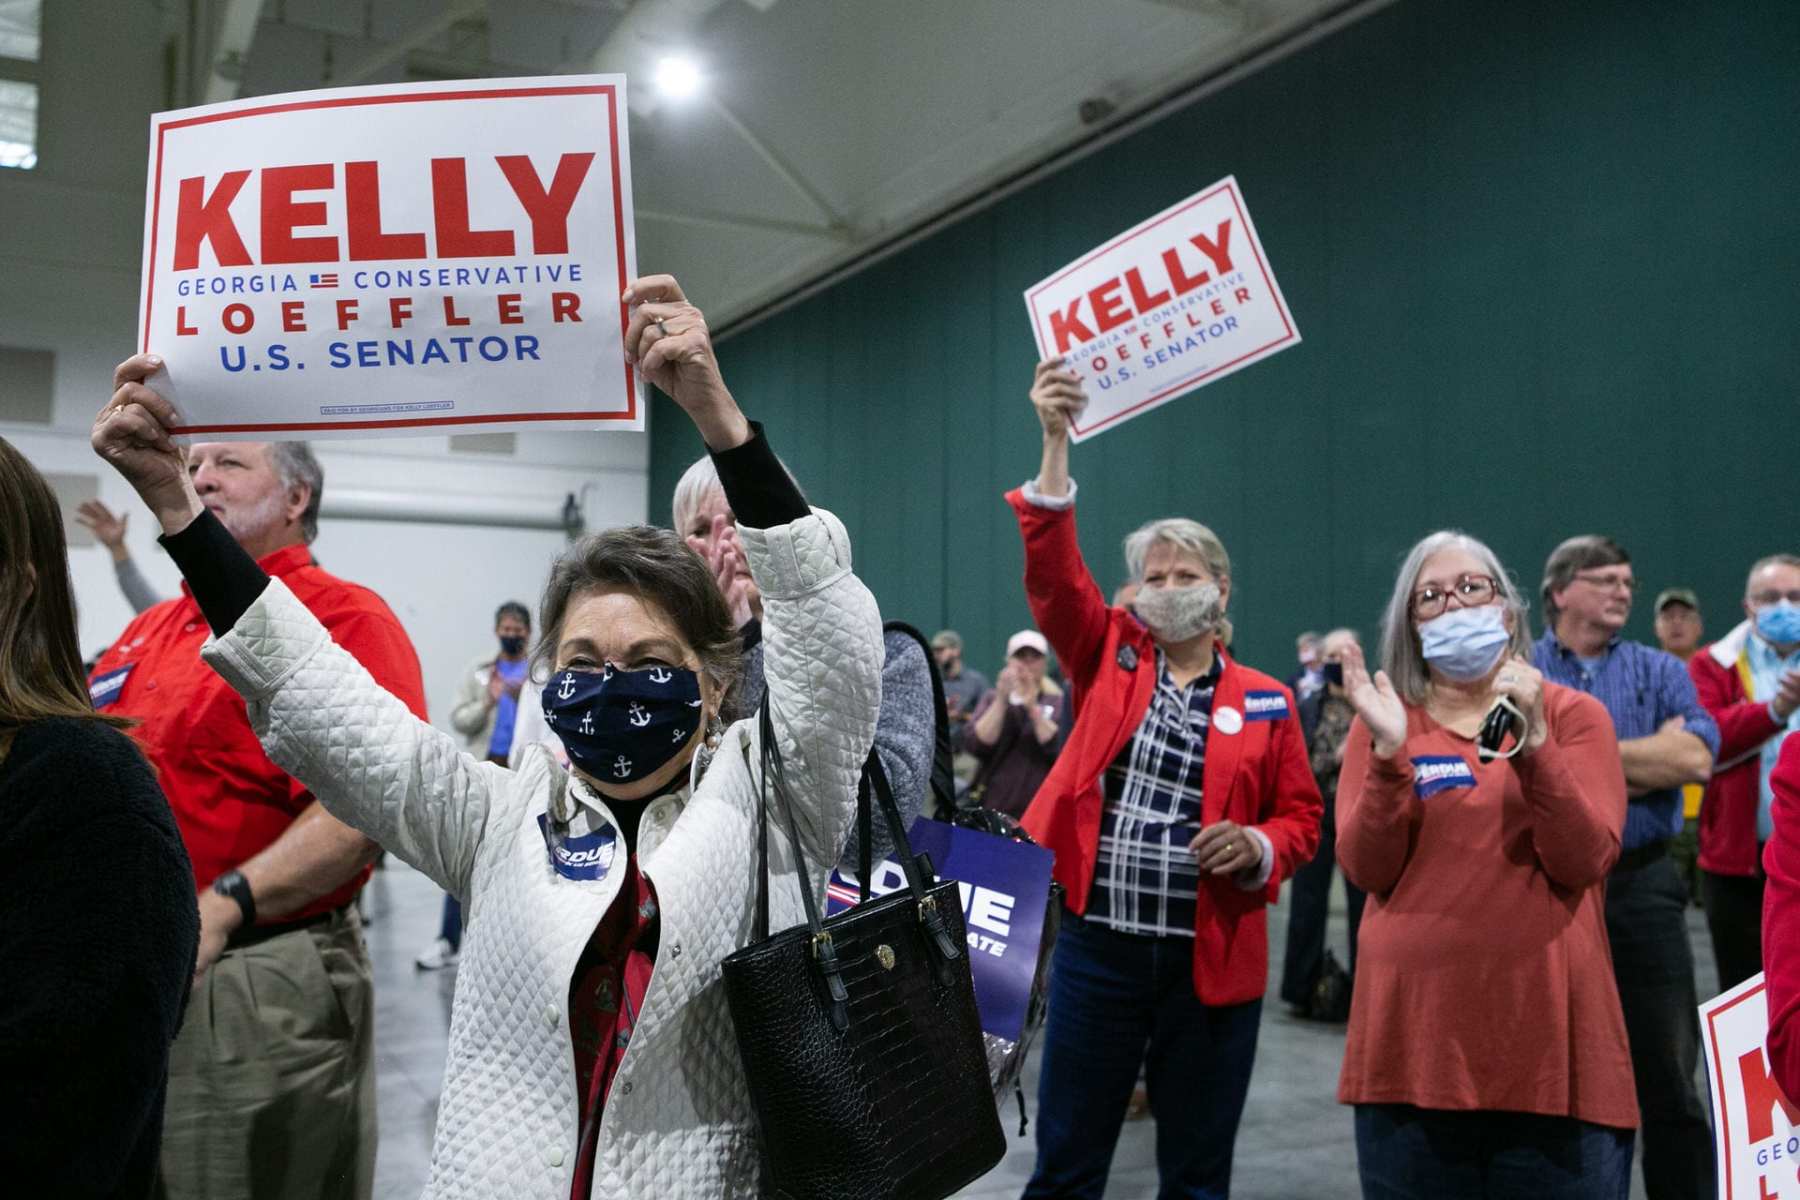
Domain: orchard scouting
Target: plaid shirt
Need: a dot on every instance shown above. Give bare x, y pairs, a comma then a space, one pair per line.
1145, 877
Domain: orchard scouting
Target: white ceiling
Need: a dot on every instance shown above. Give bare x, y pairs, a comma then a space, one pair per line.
827, 127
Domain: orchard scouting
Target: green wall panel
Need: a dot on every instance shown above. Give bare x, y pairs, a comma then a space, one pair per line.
1542, 255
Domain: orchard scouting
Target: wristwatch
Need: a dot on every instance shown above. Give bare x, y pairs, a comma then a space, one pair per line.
234, 885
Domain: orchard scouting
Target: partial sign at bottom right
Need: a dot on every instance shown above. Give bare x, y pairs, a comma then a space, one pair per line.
1756, 1128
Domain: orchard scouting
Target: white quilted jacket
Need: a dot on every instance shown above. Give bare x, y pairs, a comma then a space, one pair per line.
678, 1120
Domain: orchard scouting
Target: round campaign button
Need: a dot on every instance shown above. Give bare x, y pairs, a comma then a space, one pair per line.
1227, 719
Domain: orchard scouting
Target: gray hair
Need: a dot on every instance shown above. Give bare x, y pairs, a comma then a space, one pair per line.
1400, 655
691, 491
1763, 564
1345, 630
1575, 555
1187, 536
696, 483
295, 464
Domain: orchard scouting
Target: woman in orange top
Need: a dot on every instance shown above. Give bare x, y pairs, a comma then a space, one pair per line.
1486, 1054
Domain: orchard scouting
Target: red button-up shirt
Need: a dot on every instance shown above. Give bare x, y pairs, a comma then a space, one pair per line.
229, 800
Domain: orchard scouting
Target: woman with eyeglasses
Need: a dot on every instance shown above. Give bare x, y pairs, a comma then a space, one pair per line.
1480, 807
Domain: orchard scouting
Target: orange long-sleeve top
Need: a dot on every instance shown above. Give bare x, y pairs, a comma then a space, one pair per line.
1483, 974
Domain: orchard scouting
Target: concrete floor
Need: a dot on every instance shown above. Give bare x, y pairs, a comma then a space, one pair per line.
1295, 1143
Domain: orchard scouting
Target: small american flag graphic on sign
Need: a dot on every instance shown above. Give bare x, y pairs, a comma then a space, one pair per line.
324, 281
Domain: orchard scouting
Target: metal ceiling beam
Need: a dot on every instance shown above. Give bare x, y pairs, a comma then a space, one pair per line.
733, 221
237, 27
777, 163
406, 43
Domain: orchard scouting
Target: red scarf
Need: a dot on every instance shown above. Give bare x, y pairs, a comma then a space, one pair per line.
604, 1002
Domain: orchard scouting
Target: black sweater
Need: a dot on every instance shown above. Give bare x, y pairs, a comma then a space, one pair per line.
98, 937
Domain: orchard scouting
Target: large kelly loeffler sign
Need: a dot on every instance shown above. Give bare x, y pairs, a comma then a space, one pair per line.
413, 258
1170, 305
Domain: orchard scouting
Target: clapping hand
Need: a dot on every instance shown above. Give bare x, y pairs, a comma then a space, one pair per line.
1375, 702
1523, 684
1787, 695
724, 556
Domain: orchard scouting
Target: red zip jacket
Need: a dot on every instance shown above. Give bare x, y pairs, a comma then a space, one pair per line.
1728, 813
1256, 775
1781, 921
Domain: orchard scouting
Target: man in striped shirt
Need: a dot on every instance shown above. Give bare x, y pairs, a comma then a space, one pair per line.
1666, 740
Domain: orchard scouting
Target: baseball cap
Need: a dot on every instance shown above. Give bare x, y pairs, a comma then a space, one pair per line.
946, 639
1670, 596
1027, 639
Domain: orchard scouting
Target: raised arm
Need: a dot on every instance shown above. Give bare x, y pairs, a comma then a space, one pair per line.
370, 761
821, 631
1066, 603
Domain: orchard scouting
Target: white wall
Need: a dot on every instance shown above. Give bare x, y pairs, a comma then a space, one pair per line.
70, 247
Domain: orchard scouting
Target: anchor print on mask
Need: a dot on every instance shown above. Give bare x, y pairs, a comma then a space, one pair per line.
619, 725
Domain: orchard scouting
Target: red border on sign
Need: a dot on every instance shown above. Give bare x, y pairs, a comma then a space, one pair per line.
1718, 1072
612, 117
1187, 381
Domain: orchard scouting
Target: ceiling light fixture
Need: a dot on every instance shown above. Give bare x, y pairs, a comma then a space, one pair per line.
678, 77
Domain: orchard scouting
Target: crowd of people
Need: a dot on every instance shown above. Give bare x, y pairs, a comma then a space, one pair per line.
241, 753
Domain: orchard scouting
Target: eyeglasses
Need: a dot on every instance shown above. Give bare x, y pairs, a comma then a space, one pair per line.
1608, 583
1472, 591
1762, 598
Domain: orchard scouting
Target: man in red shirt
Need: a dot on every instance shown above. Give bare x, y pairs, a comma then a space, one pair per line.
271, 1081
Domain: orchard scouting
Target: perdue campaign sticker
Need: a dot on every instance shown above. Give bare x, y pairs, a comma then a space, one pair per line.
1265, 706
1433, 773
105, 689
584, 858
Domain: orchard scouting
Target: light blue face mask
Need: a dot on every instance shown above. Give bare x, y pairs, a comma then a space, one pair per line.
1465, 643
1779, 622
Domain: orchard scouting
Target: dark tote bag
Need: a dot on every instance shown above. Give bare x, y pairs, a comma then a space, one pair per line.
859, 1035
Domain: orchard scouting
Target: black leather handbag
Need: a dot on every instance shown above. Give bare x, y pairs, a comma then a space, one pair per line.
859, 1035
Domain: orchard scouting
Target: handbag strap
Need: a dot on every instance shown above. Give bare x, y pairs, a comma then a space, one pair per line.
774, 775
876, 777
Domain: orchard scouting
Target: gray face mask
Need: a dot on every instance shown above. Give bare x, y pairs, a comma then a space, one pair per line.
1175, 614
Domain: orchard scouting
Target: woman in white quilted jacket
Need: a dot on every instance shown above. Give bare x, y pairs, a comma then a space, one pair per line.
591, 1053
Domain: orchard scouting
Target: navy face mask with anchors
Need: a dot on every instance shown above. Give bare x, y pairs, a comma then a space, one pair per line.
622, 726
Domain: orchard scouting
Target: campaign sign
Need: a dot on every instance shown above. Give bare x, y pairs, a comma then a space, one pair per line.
409, 258
1169, 306
1005, 886
1754, 1125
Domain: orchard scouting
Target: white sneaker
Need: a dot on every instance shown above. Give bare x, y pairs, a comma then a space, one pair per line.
437, 956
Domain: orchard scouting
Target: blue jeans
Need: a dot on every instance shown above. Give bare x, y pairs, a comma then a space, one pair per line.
450, 928
1118, 1001
1406, 1153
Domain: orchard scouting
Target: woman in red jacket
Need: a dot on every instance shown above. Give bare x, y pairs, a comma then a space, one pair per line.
1781, 919
1180, 801
1486, 1055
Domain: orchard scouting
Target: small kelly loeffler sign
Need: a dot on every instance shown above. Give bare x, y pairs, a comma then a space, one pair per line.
1170, 305
409, 258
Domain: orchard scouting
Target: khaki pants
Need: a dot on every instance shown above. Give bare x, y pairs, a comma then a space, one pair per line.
272, 1078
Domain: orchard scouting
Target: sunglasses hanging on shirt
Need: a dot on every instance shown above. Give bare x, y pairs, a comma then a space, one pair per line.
1501, 719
